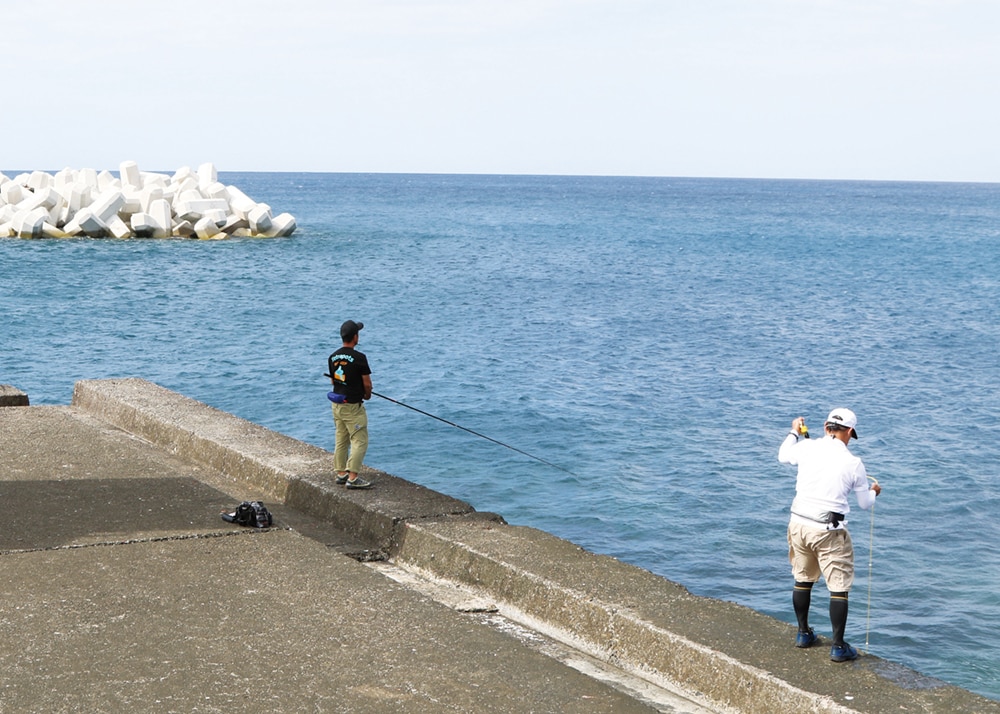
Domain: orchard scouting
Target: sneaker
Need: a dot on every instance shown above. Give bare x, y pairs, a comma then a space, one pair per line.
341, 479
359, 483
806, 639
843, 653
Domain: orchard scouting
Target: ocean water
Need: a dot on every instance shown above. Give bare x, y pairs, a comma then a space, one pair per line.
654, 337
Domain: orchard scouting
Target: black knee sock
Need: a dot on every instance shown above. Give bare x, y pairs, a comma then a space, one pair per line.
801, 596
838, 616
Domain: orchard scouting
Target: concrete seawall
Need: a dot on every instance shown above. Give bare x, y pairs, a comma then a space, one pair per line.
272, 464
726, 657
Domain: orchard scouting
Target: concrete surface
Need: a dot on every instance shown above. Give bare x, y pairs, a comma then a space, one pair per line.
126, 591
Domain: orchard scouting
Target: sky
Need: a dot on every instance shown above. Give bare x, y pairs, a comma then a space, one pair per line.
825, 89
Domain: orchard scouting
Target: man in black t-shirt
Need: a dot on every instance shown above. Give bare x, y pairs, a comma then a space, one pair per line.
352, 385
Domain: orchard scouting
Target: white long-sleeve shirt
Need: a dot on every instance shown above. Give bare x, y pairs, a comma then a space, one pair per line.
828, 472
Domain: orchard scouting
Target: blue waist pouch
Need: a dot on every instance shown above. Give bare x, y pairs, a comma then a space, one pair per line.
336, 398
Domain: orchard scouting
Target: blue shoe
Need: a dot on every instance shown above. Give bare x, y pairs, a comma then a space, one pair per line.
358, 483
806, 639
843, 653
341, 479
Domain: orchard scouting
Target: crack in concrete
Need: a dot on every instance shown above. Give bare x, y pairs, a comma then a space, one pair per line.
151, 539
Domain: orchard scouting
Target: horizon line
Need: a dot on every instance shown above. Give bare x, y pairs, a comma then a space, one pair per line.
526, 174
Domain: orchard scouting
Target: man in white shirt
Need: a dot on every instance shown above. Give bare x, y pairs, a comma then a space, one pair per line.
818, 542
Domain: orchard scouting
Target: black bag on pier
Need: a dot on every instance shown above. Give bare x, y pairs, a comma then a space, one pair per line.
252, 514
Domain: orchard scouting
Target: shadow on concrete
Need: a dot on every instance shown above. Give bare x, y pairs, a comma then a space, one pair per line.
54, 513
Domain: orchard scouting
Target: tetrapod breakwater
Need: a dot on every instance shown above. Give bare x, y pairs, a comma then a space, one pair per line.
135, 204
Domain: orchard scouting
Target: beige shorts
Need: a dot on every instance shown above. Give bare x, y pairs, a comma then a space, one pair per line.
812, 551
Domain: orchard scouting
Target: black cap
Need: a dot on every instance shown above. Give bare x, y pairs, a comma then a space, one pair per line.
349, 329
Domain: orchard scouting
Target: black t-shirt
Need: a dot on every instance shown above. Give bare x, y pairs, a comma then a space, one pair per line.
347, 367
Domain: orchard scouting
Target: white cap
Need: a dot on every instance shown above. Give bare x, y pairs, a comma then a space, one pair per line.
844, 417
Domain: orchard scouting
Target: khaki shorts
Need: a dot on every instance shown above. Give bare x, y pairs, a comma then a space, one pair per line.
812, 551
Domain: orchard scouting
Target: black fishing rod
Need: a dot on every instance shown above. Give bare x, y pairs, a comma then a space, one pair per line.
481, 436
476, 433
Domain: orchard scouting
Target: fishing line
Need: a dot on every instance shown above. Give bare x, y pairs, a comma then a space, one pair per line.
476, 433
871, 553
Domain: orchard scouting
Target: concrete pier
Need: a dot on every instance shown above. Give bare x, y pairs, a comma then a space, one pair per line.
125, 590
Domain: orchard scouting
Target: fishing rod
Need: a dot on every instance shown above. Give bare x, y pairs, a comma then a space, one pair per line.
476, 433
871, 558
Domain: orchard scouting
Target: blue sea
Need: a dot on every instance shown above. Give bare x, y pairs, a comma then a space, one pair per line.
651, 337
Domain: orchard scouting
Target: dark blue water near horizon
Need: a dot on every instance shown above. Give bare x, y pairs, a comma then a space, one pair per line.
653, 336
